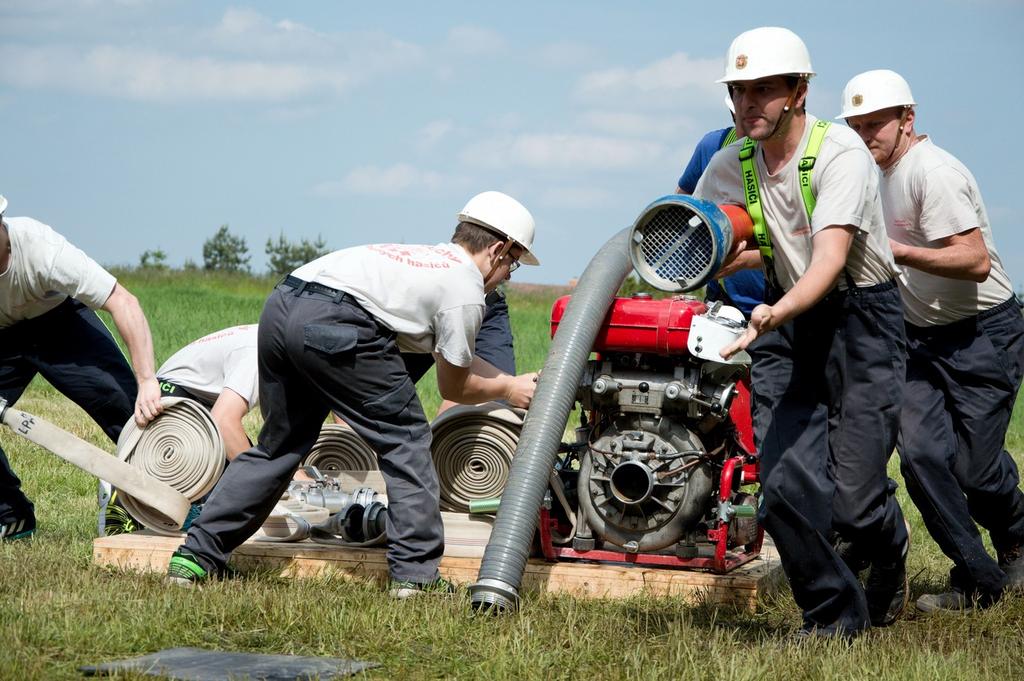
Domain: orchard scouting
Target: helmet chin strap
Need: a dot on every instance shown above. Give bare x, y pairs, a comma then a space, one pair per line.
787, 112
506, 247
889, 160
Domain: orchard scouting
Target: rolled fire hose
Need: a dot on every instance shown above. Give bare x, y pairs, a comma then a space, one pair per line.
504, 561
339, 449
181, 447
160, 499
472, 448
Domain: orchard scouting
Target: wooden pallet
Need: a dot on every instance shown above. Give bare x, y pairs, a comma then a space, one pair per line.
740, 588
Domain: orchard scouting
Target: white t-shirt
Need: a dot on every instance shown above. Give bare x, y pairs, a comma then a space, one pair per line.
225, 359
929, 195
44, 270
845, 184
431, 296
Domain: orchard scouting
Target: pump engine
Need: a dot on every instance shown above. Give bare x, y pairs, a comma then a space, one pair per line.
663, 460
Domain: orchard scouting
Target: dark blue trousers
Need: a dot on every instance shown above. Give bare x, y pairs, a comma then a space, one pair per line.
71, 348
962, 380
318, 354
826, 389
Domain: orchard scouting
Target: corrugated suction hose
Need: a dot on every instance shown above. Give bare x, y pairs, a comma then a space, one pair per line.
181, 447
504, 561
339, 449
472, 448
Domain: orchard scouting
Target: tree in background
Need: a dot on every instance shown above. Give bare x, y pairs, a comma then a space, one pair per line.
153, 260
283, 256
226, 252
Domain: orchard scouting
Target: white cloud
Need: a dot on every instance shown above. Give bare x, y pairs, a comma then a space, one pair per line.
401, 178
432, 133
474, 40
245, 56
246, 31
561, 151
152, 75
678, 72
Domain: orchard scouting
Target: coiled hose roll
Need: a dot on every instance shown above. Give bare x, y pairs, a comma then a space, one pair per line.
472, 447
504, 561
339, 449
181, 447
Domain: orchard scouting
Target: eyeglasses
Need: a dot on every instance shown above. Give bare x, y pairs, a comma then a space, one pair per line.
514, 264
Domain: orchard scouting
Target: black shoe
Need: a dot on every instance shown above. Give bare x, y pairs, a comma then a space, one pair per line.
887, 591
17, 528
955, 601
809, 635
1012, 563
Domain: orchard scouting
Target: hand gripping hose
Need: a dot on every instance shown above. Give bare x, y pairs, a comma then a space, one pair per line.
504, 561
339, 449
160, 499
181, 447
472, 448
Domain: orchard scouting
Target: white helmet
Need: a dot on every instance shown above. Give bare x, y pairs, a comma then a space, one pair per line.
504, 215
3, 205
766, 51
873, 91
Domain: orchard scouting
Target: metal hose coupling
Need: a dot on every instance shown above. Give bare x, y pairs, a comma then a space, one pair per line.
472, 447
181, 447
504, 561
356, 526
339, 449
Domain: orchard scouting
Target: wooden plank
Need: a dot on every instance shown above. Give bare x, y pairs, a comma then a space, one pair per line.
740, 588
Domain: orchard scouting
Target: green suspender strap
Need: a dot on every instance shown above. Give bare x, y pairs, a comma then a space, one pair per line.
807, 164
752, 192
729, 138
752, 197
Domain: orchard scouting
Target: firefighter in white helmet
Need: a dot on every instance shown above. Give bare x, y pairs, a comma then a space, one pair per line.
965, 341
828, 346
331, 338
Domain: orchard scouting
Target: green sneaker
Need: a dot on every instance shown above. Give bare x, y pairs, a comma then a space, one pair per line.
185, 570
115, 519
19, 528
402, 589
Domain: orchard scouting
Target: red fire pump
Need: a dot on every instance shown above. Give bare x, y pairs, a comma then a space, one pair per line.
663, 461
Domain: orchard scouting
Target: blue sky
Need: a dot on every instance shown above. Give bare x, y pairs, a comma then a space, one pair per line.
130, 125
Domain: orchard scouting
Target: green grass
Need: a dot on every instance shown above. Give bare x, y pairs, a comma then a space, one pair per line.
58, 611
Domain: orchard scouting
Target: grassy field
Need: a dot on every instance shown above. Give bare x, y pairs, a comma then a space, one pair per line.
58, 611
